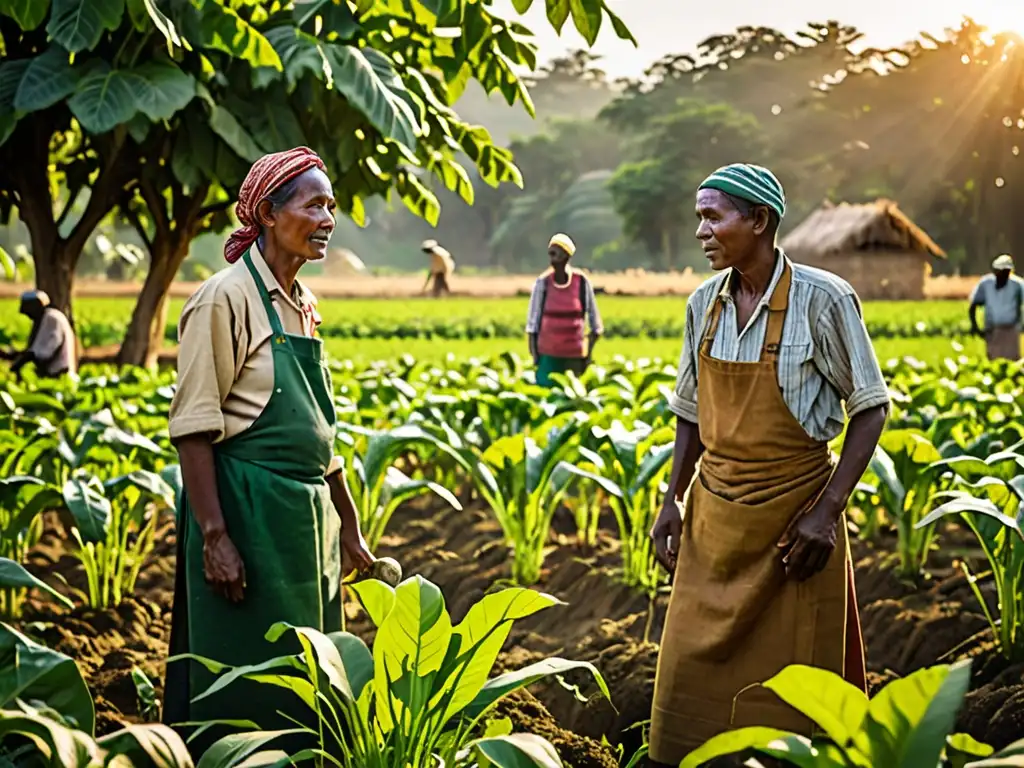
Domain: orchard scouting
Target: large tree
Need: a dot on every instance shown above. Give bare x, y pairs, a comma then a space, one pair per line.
152, 110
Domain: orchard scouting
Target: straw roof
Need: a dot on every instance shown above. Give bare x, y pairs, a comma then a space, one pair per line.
843, 228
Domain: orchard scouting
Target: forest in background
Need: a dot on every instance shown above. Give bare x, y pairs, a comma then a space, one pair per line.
936, 125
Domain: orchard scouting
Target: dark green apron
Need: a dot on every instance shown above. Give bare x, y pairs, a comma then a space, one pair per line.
278, 511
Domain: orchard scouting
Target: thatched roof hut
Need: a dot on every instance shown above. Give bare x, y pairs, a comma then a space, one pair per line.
874, 246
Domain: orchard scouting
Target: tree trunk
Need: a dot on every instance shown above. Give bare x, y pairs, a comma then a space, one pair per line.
54, 262
145, 334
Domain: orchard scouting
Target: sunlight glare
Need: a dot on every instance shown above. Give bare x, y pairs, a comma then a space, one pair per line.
1004, 17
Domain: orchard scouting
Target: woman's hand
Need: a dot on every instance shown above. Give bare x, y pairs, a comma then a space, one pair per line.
665, 534
223, 566
354, 550
810, 543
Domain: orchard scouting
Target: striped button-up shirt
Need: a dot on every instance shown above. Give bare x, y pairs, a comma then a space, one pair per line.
825, 356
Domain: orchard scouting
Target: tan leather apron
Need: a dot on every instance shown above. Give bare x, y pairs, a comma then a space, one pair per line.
734, 619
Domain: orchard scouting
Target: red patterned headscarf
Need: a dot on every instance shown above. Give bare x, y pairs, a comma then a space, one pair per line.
267, 174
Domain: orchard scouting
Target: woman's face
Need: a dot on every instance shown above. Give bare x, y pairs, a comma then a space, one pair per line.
726, 235
558, 256
304, 224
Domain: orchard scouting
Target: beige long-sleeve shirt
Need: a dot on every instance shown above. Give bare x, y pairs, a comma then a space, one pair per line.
225, 362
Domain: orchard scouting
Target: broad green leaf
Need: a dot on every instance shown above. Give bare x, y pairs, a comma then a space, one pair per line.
962, 749
558, 12
1010, 757
104, 99
376, 597
229, 675
78, 25
587, 16
231, 750
413, 638
29, 14
49, 78
733, 742
326, 653
154, 744
502, 685
299, 52
357, 659
7, 263
161, 89
163, 24
30, 671
481, 636
226, 125
367, 78
226, 31
966, 504
90, 508
13, 575
564, 472
149, 483
522, 6
64, 746
901, 717
518, 750
928, 738
836, 706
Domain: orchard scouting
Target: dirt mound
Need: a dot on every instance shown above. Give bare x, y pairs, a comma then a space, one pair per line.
906, 625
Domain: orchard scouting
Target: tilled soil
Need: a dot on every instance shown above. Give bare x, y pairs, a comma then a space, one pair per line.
907, 626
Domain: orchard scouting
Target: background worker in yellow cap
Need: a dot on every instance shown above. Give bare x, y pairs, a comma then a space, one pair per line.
561, 306
1002, 295
441, 267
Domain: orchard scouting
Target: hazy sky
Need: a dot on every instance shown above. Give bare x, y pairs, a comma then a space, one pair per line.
676, 26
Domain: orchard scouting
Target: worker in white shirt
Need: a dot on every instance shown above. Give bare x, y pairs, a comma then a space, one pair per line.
441, 267
51, 343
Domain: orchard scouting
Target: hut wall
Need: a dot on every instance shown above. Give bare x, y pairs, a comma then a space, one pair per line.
875, 275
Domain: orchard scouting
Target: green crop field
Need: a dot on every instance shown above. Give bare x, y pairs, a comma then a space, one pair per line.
649, 327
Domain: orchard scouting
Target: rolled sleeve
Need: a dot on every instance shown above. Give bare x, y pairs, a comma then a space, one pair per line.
683, 399
533, 311
206, 369
337, 464
845, 356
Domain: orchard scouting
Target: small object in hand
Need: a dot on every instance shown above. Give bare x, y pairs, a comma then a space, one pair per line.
386, 569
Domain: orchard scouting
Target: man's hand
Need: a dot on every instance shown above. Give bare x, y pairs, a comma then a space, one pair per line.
665, 534
354, 550
223, 566
810, 542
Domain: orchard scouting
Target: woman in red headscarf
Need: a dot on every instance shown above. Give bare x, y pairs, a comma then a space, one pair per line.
266, 523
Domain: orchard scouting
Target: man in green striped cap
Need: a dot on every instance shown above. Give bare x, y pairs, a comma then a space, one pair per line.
775, 359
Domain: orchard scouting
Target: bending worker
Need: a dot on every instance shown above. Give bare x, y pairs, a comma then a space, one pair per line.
1002, 295
266, 525
441, 267
51, 342
561, 305
762, 575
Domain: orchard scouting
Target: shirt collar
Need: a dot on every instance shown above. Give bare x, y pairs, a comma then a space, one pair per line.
300, 297
780, 263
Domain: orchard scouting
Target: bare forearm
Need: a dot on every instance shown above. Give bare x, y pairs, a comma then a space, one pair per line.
862, 435
341, 496
532, 340
685, 453
592, 343
973, 314
199, 475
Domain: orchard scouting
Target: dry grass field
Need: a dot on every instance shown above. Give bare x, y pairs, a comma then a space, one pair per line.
630, 283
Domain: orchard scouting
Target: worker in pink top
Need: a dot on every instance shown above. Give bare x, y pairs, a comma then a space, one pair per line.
561, 306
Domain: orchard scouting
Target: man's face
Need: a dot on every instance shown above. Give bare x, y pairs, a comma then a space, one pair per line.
32, 309
725, 234
1002, 275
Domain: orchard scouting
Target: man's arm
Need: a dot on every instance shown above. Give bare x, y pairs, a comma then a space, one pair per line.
351, 535
977, 300
533, 313
668, 527
593, 318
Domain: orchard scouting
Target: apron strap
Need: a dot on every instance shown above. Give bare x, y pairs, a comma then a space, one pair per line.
268, 305
711, 326
777, 316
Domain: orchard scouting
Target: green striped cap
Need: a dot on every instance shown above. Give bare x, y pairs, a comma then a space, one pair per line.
753, 183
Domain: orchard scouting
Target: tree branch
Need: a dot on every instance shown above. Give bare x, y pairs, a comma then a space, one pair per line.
136, 222
109, 184
157, 208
